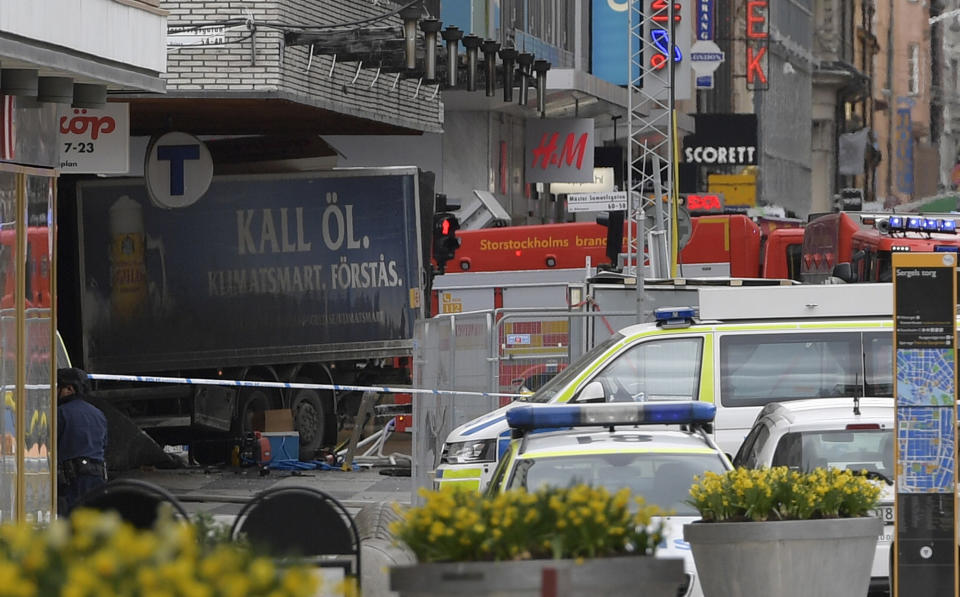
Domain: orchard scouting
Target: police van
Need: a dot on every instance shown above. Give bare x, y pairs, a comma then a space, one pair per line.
745, 347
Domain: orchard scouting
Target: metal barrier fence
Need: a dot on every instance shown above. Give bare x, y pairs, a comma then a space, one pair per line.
495, 351
450, 351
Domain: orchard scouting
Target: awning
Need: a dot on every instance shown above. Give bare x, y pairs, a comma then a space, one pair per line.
121, 45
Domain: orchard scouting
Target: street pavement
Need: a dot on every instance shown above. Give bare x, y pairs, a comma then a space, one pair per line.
222, 491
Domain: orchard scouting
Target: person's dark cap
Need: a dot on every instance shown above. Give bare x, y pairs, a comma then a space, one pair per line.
73, 377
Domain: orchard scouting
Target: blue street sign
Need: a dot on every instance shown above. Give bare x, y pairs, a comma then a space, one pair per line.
704, 19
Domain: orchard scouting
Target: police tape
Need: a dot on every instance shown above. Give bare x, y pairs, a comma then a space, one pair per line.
289, 385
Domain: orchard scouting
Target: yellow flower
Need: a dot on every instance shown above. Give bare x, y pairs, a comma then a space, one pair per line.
262, 572
104, 563
234, 585
35, 559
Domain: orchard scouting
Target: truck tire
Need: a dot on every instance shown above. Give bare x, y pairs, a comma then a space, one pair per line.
310, 420
249, 401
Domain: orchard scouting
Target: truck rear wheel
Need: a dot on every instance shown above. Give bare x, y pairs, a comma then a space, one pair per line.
310, 420
250, 401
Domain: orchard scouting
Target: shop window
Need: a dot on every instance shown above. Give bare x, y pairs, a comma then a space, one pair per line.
913, 69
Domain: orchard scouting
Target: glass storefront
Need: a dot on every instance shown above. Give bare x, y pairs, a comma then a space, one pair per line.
27, 487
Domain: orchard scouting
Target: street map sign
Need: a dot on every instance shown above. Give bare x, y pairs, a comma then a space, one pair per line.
580, 202
925, 387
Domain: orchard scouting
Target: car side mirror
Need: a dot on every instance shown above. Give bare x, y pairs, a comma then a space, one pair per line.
593, 393
844, 271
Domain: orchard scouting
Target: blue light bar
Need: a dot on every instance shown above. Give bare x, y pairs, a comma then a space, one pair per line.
915, 224
946, 249
897, 223
674, 313
539, 416
930, 225
948, 226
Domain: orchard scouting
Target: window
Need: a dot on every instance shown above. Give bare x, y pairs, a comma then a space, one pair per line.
878, 364
748, 455
567, 26
534, 26
913, 69
550, 389
794, 255
759, 368
859, 265
654, 370
870, 450
512, 15
884, 267
663, 479
498, 474
955, 75
548, 28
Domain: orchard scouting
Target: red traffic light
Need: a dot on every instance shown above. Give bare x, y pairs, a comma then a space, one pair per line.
445, 242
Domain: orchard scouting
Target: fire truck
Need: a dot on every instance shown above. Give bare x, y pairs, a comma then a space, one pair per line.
857, 247
720, 245
737, 246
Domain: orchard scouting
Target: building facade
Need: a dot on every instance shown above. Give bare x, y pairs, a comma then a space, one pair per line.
481, 148
946, 31
59, 60
902, 102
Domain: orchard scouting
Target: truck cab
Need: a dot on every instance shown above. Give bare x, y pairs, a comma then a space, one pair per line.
855, 247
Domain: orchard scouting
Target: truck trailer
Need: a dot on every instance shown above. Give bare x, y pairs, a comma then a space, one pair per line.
312, 277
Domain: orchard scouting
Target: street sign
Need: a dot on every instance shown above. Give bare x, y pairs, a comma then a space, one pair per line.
705, 19
580, 202
705, 57
178, 170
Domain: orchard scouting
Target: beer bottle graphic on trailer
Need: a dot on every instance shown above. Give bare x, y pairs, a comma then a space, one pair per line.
128, 267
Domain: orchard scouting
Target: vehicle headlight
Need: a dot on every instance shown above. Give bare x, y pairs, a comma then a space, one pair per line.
470, 452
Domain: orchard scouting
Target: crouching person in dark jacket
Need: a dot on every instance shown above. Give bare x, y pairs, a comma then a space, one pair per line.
81, 441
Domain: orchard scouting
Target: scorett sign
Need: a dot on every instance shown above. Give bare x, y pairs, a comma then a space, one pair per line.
722, 139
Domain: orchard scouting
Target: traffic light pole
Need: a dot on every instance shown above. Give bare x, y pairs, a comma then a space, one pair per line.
650, 132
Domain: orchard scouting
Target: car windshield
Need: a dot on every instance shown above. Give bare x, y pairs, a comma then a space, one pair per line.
661, 478
550, 389
857, 449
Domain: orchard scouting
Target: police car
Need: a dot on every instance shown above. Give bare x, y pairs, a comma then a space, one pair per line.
654, 449
854, 434
740, 349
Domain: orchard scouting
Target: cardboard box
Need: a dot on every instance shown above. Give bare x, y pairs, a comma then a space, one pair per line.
284, 445
280, 419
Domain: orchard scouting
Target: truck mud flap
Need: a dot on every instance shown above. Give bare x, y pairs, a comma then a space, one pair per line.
129, 447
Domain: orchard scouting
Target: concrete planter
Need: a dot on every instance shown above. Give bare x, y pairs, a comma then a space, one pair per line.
808, 558
600, 576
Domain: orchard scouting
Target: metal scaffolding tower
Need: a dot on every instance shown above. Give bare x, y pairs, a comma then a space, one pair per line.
651, 173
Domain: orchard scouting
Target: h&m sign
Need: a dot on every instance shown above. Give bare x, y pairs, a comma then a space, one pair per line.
559, 150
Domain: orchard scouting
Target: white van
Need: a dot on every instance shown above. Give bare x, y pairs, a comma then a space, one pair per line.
746, 347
